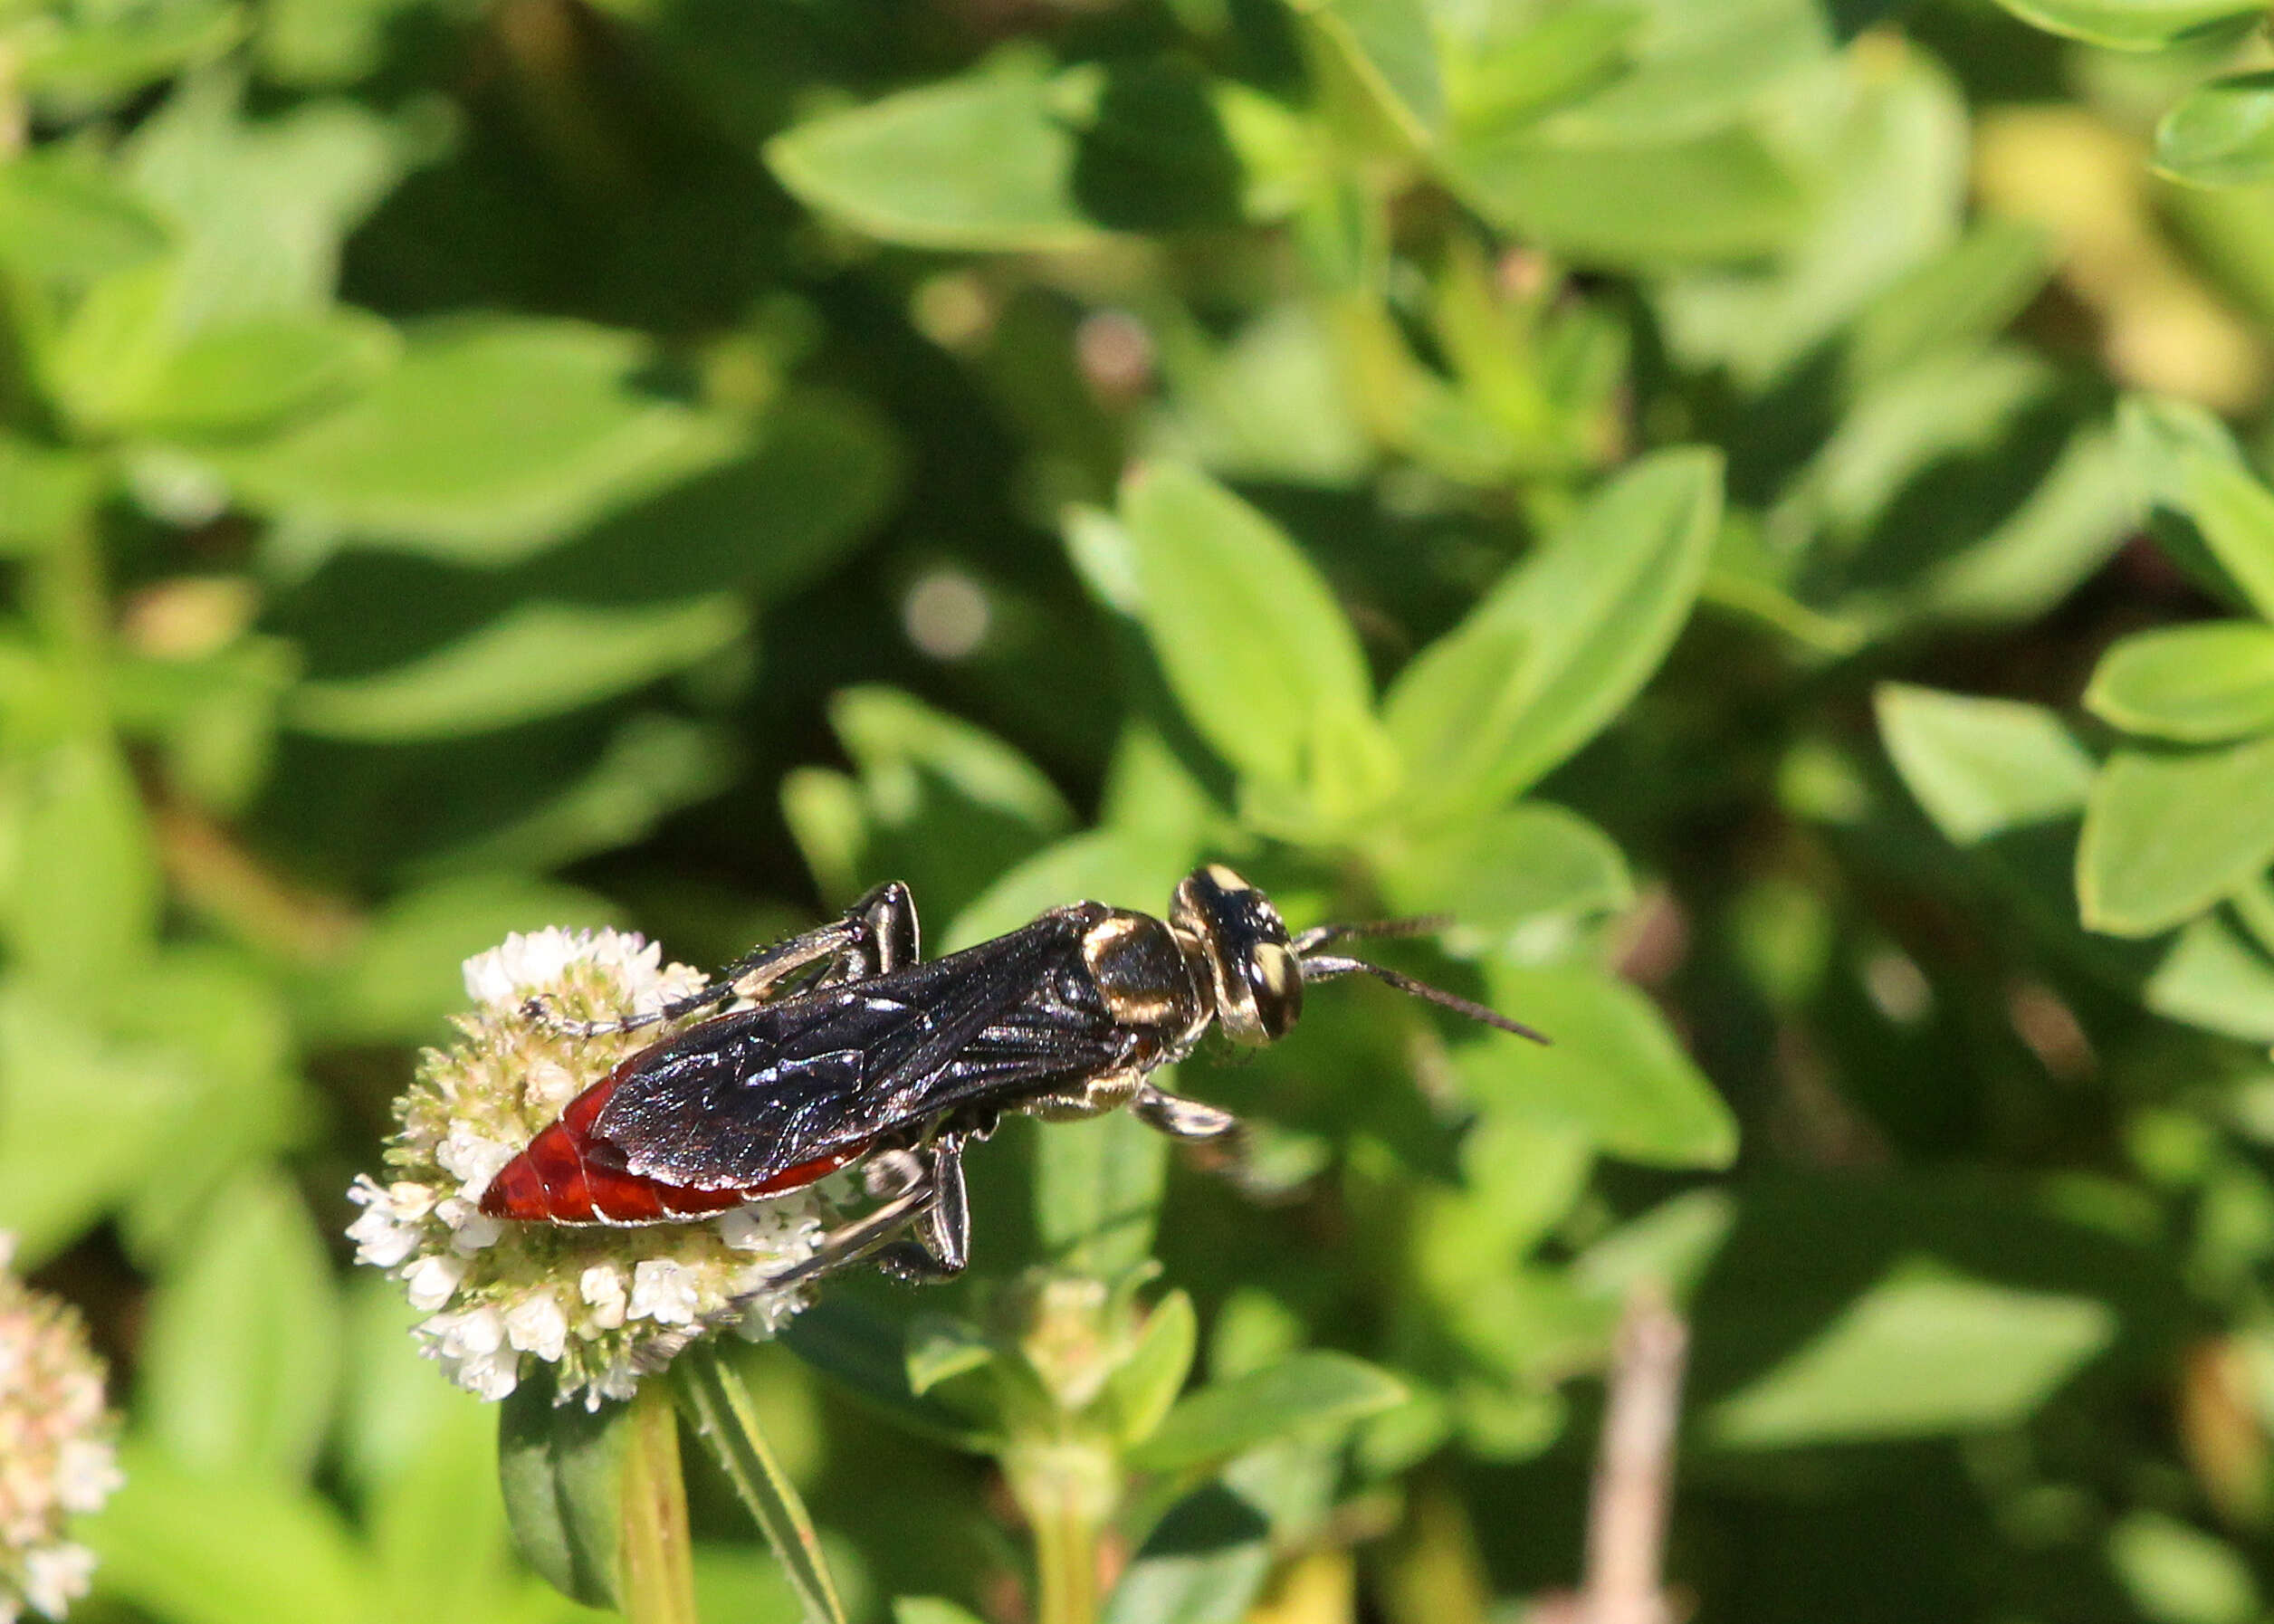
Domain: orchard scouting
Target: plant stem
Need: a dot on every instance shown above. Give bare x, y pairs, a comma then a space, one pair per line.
658, 1580
1065, 1489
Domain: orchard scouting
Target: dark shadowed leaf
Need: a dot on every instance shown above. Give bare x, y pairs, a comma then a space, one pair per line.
1203, 1564
561, 1468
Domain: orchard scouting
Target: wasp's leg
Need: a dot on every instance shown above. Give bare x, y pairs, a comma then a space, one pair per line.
900, 1175
876, 933
1179, 1117
943, 1242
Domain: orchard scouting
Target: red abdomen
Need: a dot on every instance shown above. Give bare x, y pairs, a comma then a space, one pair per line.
566, 1176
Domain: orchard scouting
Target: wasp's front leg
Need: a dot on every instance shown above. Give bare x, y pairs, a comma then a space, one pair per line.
877, 933
1179, 1118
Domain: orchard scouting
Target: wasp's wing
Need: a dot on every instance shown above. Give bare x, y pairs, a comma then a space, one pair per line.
741, 1098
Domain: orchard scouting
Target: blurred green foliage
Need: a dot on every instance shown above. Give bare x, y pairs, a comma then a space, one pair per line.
1756, 508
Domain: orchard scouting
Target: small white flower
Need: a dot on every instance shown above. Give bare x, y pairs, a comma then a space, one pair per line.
86, 1474
536, 1325
432, 1280
56, 1459
602, 1288
601, 1304
55, 1576
663, 1292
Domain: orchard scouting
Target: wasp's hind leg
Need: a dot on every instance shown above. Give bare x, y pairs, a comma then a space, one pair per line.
941, 1245
905, 1182
877, 933
1179, 1118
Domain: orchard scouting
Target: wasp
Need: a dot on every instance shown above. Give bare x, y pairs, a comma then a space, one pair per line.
848, 1048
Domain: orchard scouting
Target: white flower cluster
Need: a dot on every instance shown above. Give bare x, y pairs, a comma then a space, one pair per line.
56, 1455
603, 1305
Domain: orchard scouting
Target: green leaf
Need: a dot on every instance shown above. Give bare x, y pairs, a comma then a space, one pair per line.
260, 205
2178, 1574
561, 1468
1981, 766
1561, 643
1204, 1562
941, 1347
1145, 1386
196, 1549
853, 1343
720, 1406
2196, 683
65, 220
46, 494
1097, 1189
492, 439
1612, 1070
2185, 462
81, 1118
1258, 652
2220, 134
1697, 68
1527, 873
403, 980
82, 888
1389, 48
930, 1610
247, 375
2168, 834
2214, 978
1124, 868
985, 161
240, 1362
537, 659
1719, 196
1921, 1353
2129, 25
1306, 1392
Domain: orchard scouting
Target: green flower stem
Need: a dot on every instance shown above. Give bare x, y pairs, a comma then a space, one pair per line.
658, 1578
1066, 1489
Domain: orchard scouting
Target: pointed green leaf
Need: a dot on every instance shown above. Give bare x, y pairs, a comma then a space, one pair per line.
1143, 1387
2129, 25
2196, 683
64, 219
1981, 767
985, 161
720, 1406
1613, 1071
537, 659
1259, 654
1562, 642
1919, 1355
2186, 463
2168, 834
1097, 1190
1204, 1562
239, 1361
1313, 1391
2220, 134
492, 439
561, 1469
856, 1344
941, 1346
1389, 48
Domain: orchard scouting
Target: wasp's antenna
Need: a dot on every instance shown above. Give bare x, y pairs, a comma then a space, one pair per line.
1324, 967
1318, 936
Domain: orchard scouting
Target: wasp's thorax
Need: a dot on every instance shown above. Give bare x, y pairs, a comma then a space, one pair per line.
1251, 964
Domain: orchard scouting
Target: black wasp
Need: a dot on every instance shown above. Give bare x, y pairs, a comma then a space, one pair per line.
881, 1058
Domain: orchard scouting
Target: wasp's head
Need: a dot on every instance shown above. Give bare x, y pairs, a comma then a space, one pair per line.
1252, 965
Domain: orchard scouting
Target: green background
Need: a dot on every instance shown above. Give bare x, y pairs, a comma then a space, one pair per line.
1752, 506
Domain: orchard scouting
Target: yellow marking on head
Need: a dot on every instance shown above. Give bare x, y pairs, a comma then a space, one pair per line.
1226, 879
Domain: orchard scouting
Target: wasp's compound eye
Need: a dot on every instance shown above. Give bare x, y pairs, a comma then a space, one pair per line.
1258, 984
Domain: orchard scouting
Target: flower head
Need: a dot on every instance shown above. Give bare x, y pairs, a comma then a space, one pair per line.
601, 1304
56, 1455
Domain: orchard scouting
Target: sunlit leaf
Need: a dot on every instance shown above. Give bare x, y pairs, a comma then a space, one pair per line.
2168, 834
1306, 1392
1981, 767
2220, 134
2128, 24
2194, 683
